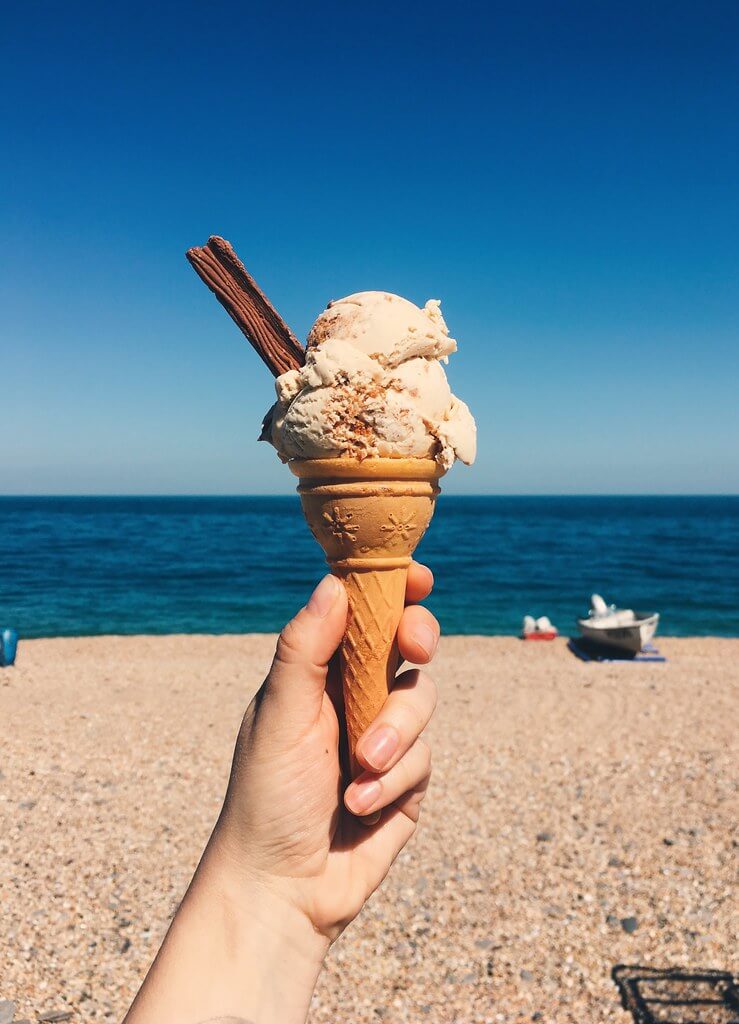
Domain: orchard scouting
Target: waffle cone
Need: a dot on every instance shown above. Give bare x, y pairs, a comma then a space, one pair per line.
368, 517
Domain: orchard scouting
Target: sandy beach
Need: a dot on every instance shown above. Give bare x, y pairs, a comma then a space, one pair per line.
580, 816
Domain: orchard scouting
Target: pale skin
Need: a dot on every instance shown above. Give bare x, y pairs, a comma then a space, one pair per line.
293, 857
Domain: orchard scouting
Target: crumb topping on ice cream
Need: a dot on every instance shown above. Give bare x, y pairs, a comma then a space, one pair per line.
373, 385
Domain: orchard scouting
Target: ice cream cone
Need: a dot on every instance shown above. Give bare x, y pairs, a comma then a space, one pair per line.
368, 516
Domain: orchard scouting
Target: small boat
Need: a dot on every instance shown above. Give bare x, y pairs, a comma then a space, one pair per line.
608, 626
538, 629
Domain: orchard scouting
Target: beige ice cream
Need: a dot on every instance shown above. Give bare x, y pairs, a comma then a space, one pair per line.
373, 385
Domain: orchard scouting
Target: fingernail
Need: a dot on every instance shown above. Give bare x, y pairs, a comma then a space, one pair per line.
322, 599
379, 746
428, 572
426, 638
362, 795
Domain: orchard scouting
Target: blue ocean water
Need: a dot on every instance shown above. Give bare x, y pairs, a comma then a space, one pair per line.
78, 566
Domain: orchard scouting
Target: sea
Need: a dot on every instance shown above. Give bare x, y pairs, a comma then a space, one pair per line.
84, 566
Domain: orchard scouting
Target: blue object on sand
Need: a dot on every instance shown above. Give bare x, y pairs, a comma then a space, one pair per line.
8, 647
586, 651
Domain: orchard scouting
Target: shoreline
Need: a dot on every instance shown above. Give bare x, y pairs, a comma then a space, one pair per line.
566, 798
471, 637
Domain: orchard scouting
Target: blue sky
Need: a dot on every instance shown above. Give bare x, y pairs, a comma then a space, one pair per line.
564, 177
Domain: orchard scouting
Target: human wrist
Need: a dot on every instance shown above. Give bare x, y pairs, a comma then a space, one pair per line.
235, 949
251, 901
269, 951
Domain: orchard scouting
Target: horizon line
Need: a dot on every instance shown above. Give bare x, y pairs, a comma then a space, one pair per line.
447, 494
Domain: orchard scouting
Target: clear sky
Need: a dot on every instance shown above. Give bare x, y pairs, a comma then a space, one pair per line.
565, 177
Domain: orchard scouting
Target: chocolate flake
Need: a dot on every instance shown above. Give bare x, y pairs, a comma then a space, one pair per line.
222, 271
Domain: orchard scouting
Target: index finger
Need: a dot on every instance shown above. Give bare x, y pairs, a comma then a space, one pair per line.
420, 583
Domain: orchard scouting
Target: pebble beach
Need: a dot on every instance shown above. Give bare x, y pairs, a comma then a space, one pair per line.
580, 816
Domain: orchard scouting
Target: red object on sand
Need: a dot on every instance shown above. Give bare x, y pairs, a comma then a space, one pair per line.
549, 635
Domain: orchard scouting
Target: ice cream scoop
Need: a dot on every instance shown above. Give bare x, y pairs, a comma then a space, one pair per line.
373, 385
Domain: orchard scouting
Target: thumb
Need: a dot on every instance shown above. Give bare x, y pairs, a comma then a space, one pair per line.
297, 678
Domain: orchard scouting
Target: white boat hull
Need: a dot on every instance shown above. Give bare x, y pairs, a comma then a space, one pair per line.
632, 636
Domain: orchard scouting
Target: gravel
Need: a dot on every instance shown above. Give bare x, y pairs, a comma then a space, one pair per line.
115, 757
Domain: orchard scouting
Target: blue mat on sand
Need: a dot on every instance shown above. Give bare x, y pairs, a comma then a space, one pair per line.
587, 651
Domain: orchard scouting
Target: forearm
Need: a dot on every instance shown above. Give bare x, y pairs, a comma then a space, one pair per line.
234, 954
